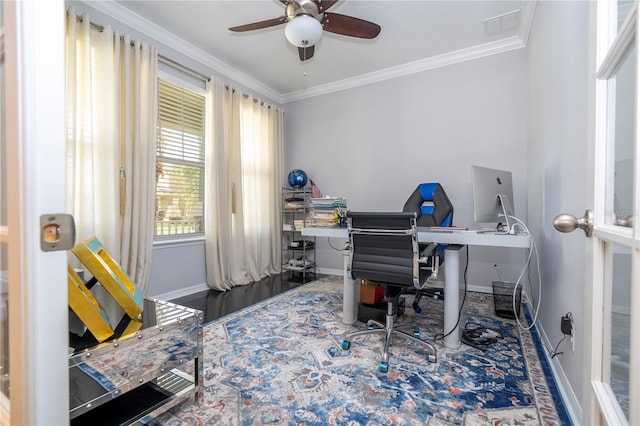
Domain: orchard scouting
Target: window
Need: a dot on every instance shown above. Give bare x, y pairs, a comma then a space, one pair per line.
180, 161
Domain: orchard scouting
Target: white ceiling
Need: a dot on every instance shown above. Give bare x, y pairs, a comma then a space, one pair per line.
416, 35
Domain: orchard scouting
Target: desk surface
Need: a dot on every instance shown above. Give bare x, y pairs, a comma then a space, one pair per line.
425, 234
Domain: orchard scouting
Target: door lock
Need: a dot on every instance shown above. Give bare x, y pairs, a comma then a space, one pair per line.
57, 232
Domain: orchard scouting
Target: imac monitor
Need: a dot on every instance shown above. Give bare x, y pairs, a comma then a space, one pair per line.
493, 197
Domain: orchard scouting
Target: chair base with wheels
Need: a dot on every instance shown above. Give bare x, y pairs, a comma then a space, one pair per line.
392, 297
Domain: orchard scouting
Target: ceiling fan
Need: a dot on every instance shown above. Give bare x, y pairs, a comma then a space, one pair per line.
306, 19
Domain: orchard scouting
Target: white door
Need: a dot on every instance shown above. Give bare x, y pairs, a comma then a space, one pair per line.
34, 312
614, 370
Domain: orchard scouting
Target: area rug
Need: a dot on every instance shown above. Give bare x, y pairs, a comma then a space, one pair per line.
280, 362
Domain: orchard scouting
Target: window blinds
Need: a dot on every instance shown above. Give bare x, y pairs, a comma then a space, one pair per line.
180, 158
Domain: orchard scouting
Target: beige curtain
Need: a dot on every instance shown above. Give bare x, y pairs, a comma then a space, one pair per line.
111, 138
243, 175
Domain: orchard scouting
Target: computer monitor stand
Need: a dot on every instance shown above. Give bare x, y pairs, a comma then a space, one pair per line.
507, 212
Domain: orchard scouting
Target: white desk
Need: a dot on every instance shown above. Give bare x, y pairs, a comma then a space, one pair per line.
455, 240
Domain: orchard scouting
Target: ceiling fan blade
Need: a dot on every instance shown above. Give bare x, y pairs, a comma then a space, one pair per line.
259, 25
306, 52
326, 4
349, 26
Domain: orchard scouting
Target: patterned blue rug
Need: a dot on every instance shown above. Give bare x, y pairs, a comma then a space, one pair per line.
280, 362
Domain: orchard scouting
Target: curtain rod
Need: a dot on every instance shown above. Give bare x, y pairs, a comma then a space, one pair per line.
161, 58
173, 63
182, 68
247, 96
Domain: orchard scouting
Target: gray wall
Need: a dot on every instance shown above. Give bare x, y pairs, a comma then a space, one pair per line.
558, 170
374, 144
177, 269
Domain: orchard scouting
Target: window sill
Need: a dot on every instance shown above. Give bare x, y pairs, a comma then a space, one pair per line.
167, 242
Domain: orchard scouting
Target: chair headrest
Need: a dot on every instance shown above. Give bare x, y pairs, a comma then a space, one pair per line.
430, 202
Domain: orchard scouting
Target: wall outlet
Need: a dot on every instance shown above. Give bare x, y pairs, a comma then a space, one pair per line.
567, 328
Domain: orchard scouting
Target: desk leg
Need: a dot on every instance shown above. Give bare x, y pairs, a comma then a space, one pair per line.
452, 295
350, 295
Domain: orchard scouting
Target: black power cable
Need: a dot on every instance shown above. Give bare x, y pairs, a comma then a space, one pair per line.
555, 352
476, 335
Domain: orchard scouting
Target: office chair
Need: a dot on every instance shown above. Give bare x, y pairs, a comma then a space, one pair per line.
433, 208
384, 249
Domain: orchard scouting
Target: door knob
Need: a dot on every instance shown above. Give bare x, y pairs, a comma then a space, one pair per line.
568, 222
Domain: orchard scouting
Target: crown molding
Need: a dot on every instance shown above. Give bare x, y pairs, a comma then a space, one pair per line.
124, 15
143, 25
519, 41
527, 13
438, 61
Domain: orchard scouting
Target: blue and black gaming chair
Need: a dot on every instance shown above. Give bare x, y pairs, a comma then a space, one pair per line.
430, 202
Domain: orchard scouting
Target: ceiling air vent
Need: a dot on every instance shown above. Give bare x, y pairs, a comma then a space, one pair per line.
499, 24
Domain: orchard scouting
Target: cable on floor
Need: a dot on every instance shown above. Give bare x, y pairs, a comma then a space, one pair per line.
477, 335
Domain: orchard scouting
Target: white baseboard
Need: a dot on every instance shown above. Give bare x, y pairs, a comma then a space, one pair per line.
324, 271
478, 288
475, 288
566, 391
182, 292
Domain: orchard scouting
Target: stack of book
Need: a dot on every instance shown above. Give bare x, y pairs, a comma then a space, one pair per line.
327, 211
293, 203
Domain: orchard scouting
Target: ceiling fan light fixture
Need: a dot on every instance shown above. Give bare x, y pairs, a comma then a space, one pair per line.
303, 31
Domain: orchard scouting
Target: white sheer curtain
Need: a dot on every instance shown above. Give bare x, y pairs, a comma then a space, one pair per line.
243, 175
111, 139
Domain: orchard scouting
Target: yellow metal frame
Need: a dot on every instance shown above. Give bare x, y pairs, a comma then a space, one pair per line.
87, 308
110, 275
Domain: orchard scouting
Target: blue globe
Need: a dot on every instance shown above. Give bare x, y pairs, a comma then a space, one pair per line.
297, 178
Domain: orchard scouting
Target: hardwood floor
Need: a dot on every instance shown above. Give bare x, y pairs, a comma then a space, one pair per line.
215, 304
